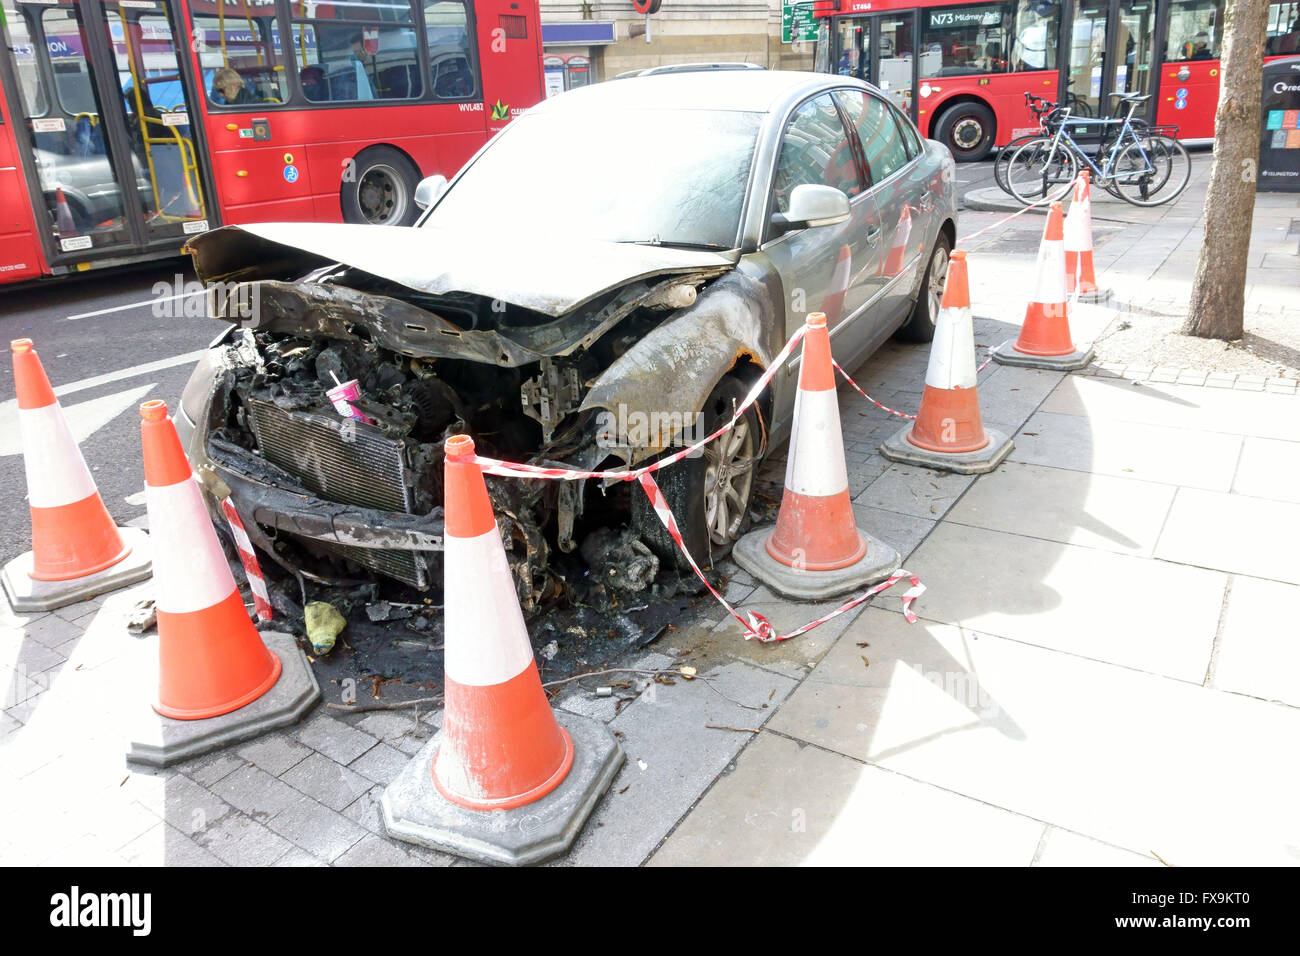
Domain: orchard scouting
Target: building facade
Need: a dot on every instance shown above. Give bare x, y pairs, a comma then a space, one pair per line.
594, 41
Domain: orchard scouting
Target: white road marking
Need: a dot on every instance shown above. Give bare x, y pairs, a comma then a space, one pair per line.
124, 308
83, 419
124, 373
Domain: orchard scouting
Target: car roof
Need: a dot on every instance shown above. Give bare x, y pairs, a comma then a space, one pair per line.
749, 91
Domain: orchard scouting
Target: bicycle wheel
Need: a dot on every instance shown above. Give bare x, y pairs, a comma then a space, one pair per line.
1041, 171
1152, 173
1004, 159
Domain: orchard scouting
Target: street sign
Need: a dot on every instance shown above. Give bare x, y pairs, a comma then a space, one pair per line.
797, 23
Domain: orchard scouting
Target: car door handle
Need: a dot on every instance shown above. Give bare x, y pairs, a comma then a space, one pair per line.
872, 235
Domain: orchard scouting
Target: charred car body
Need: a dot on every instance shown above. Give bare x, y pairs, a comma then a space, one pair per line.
588, 315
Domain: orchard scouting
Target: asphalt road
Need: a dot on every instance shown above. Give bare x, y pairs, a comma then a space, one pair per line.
109, 327
94, 334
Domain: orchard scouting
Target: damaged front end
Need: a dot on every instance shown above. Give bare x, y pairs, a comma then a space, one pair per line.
345, 500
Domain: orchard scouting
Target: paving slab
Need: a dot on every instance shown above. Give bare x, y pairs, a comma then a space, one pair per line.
322, 778
1259, 643
672, 758
912, 490
313, 827
1269, 469
1140, 613
1255, 536
793, 804
1176, 456
1135, 760
1073, 507
1179, 406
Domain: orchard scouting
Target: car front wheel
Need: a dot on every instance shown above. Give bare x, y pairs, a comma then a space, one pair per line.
925, 314
710, 495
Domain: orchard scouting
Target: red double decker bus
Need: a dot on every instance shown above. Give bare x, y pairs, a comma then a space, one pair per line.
961, 69
128, 125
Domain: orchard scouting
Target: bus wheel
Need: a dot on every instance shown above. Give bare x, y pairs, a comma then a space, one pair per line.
381, 190
967, 130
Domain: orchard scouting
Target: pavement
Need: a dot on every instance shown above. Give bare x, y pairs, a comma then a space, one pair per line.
1105, 669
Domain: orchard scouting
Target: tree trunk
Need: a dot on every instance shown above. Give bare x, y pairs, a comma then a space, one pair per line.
1219, 288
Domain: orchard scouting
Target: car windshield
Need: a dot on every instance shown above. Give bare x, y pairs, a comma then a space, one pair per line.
670, 177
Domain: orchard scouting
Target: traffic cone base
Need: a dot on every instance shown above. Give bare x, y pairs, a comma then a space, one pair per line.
218, 681
900, 448
159, 741
415, 810
507, 780
29, 594
816, 549
1008, 354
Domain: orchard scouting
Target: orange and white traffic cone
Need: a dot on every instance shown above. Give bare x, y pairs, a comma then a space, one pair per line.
1044, 340
77, 550
211, 658
893, 263
833, 304
1080, 277
949, 433
501, 747
816, 549
63, 216
218, 682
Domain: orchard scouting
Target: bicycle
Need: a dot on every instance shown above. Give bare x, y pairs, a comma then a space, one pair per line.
1136, 167
1049, 117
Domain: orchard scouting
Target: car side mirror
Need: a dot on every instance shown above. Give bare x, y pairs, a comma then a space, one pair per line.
812, 205
429, 190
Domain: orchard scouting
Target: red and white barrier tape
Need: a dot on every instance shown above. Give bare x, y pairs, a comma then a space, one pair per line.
1018, 212
756, 626
885, 408
256, 583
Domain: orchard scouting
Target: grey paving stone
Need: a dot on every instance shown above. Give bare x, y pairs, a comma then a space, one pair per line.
1192, 377
52, 630
189, 807
30, 655
317, 829
255, 792
380, 764
322, 778
241, 841
376, 851
672, 758
911, 490
1220, 379
274, 753
79, 611
335, 739
364, 810
298, 857
209, 768
902, 532
166, 846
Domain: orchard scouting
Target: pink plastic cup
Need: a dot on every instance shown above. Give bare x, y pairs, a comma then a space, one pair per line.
342, 396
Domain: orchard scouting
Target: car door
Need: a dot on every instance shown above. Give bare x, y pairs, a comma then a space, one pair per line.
902, 203
820, 267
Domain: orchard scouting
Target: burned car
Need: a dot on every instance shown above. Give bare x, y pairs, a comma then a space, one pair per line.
603, 281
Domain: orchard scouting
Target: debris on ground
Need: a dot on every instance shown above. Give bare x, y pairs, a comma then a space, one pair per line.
323, 623
620, 564
143, 617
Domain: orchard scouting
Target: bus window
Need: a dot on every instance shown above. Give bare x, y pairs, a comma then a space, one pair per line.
960, 41
451, 49
1283, 29
18, 38
356, 50
1033, 45
1195, 28
239, 52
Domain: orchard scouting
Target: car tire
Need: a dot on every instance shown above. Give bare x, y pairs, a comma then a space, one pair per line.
381, 188
968, 130
711, 520
920, 324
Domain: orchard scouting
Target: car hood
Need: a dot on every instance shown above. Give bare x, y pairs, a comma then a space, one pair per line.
550, 274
